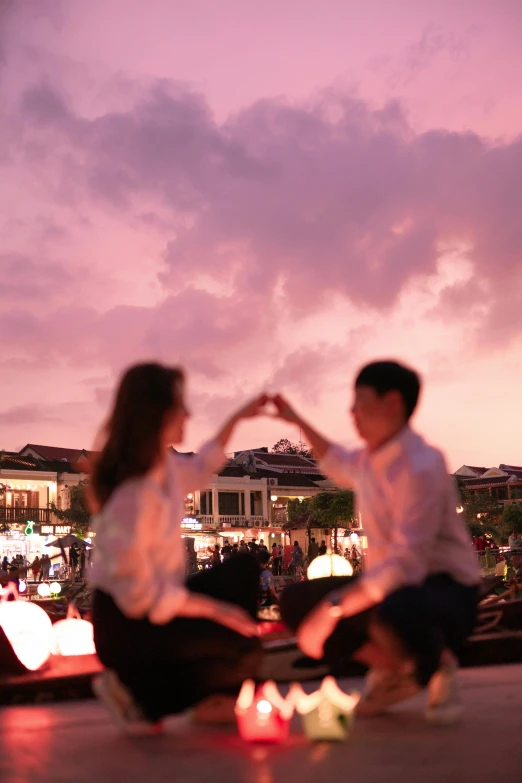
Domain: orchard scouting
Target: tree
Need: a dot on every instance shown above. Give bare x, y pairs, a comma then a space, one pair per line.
333, 509
285, 446
511, 520
77, 515
296, 508
4, 527
482, 513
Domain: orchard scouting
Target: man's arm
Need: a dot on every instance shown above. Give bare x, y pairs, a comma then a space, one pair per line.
318, 442
413, 532
333, 460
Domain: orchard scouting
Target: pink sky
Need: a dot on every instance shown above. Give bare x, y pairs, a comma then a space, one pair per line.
271, 194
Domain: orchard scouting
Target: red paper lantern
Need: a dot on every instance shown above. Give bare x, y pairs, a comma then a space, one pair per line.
262, 713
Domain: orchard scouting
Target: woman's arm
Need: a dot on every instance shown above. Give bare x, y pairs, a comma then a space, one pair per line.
196, 471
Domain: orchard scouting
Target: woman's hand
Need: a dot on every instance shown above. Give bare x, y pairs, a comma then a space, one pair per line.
315, 630
233, 617
253, 408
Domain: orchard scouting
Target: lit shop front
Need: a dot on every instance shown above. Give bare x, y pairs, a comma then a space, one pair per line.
268, 536
202, 539
29, 540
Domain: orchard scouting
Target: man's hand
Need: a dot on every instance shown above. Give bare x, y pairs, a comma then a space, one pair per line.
285, 410
315, 630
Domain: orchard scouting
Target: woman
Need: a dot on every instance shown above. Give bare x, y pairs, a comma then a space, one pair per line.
36, 566
297, 559
276, 559
167, 644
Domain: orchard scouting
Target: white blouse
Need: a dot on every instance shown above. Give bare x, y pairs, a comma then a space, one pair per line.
139, 557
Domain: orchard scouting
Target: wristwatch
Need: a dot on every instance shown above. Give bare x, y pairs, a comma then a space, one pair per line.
334, 601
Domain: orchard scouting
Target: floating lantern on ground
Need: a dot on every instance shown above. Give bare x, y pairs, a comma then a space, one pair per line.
27, 627
329, 565
328, 713
22, 585
262, 713
73, 636
44, 590
56, 588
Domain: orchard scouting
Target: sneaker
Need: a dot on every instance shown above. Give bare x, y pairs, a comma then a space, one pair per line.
444, 700
119, 701
383, 689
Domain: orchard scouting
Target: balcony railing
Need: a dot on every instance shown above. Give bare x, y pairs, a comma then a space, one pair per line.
231, 520
25, 514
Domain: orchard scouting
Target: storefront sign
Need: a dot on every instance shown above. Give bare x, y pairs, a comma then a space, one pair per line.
55, 530
191, 524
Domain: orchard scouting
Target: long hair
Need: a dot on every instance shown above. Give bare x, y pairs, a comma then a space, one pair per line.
132, 435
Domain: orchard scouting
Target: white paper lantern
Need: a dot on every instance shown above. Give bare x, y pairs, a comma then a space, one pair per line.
44, 590
73, 636
28, 629
329, 565
22, 585
55, 588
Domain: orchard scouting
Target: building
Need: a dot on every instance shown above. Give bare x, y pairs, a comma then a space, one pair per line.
249, 498
503, 483
33, 479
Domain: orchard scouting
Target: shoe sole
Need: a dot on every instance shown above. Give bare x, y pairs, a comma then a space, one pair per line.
445, 716
131, 728
369, 709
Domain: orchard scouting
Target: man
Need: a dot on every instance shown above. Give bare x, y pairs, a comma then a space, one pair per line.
313, 550
415, 604
267, 593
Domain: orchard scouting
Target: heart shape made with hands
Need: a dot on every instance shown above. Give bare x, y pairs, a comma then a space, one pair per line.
270, 408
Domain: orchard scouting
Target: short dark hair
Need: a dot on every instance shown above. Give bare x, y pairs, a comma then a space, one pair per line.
386, 376
263, 557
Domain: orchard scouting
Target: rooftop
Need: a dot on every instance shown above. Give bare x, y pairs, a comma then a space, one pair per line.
488, 481
57, 452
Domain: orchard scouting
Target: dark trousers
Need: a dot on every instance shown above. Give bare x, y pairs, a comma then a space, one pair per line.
174, 666
427, 619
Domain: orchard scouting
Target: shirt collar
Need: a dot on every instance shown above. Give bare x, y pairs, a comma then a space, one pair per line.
392, 450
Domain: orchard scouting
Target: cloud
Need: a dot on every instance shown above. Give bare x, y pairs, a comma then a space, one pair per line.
28, 415
296, 199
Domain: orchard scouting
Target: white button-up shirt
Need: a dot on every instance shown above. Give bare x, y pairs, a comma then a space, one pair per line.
139, 557
408, 506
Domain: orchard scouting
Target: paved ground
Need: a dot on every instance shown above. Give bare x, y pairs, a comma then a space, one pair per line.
75, 742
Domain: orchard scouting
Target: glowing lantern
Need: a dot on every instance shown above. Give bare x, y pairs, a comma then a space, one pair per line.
329, 565
44, 590
328, 713
73, 636
22, 586
55, 588
27, 628
262, 714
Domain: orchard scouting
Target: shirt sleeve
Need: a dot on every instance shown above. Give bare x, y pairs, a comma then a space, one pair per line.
196, 471
128, 533
340, 465
420, 504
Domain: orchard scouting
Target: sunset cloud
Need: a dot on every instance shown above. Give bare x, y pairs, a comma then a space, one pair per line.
277, 244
